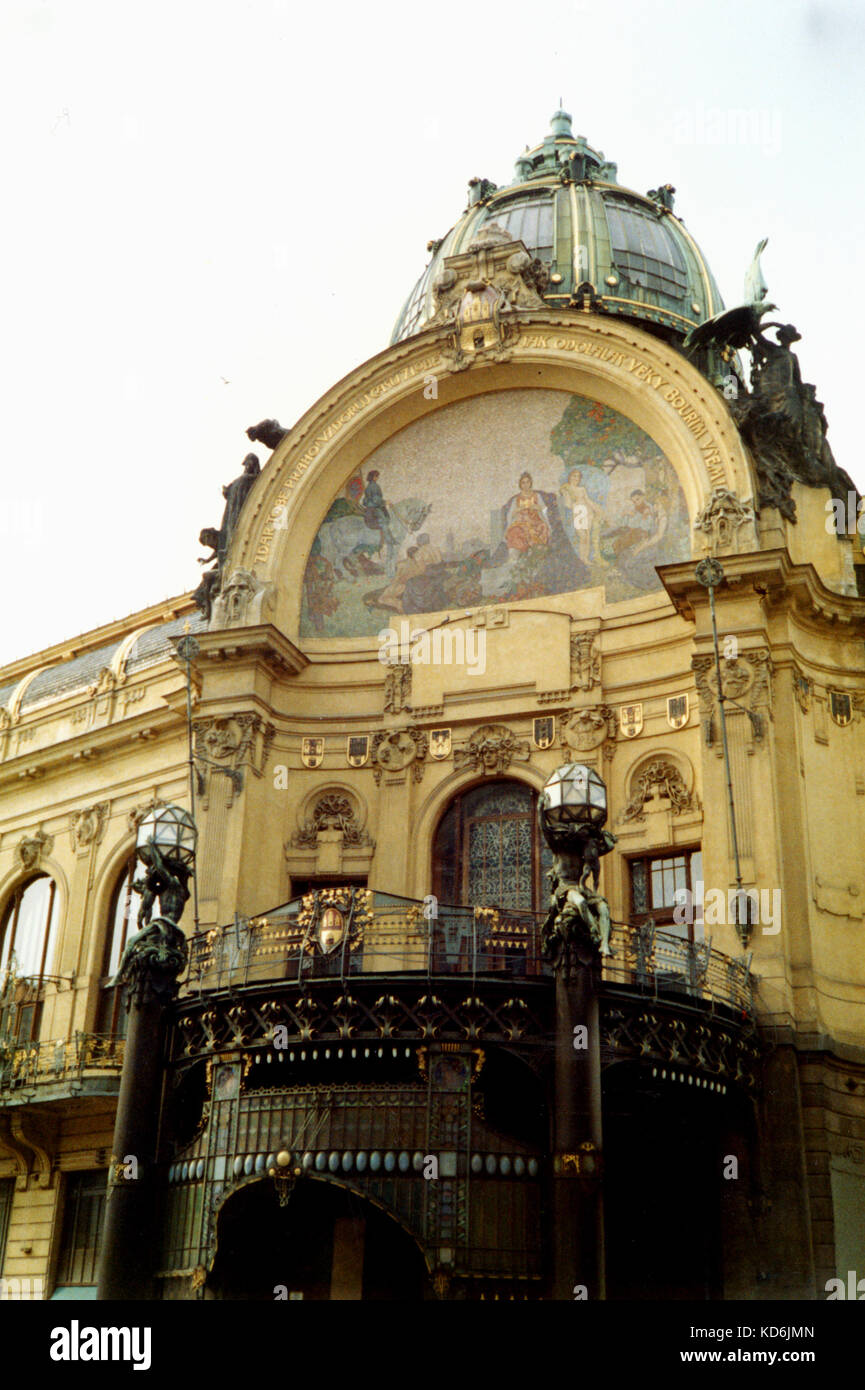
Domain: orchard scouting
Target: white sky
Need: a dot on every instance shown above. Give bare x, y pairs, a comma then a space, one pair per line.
212, 212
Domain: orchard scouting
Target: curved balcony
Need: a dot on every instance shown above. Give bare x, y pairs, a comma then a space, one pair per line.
387, 936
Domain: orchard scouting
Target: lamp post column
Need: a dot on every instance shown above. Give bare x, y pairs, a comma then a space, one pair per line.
149, 970
576, 935
128, 1254
577, 1138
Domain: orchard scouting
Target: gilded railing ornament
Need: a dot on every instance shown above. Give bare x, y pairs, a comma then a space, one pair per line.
331, 916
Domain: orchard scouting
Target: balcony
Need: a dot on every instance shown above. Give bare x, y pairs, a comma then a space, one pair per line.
87, 1064
393, 982
391, 937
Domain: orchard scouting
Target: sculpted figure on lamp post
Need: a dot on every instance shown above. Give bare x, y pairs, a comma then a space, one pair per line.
157, 953
577, 914
571, 811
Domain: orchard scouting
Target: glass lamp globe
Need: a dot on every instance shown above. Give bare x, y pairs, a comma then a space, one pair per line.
172, 830
574, 796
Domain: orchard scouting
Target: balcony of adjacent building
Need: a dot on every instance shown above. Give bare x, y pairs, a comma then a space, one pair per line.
44, 1057
84, 1065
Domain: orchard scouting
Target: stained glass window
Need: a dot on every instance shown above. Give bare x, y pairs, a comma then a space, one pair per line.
638, 885
488, 852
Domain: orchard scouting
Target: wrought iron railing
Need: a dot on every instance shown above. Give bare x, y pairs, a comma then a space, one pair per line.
68, 1059
397, 939
667, 966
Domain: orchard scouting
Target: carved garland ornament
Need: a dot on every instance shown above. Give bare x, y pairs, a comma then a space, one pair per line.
397, 688
720, 520
137, 814
669, 782
33, 847
332, 811
229, 741
747, 675
584, 729
585, 661
86, 827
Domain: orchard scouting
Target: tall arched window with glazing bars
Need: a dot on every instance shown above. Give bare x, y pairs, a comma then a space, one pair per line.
28, 938
122, 924
488, 851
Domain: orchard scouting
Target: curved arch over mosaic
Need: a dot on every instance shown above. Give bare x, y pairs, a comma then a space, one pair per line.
512, 495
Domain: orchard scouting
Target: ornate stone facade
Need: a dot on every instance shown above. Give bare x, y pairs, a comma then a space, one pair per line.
747, 685
33, 848
397, 749
528, 493
660, 779
243, 600
721, 521
583, 729
229, 744
491, 749
87, 827
333, 811
585, 661
397, 688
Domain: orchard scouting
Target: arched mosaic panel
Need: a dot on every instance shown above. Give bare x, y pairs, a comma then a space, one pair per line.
507, 496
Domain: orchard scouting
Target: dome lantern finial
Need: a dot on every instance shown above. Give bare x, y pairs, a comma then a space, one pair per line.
560, 122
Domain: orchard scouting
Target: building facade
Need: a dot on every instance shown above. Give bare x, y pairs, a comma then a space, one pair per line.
473, 560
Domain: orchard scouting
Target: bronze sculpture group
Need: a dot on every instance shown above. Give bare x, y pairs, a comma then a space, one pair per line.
578, 924
270, 433
780, 418
157, 954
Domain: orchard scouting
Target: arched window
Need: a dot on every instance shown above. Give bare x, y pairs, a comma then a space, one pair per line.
488, 851
28, 936
122, 924
29, 927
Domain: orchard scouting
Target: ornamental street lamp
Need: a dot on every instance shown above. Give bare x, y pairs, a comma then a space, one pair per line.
171, 830
574, 796
572, 809
149, 970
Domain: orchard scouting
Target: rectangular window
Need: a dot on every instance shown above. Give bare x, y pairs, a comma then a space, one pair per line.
83, 1219
661, 883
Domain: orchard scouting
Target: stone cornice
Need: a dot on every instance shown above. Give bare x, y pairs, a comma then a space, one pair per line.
262, 646
777, 582
91, 747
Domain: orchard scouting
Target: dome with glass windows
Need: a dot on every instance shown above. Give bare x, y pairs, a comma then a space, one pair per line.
566, 205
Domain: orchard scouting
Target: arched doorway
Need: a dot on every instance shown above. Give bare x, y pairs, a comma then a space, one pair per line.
326, 1243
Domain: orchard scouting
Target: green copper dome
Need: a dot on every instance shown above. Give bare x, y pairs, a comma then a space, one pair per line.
566, 205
